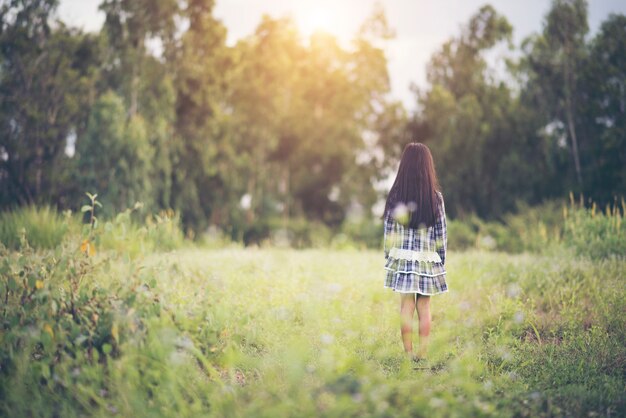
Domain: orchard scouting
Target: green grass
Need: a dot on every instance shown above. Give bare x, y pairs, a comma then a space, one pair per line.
280, 332
43, 227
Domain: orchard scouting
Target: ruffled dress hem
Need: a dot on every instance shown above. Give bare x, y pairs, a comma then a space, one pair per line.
415, 291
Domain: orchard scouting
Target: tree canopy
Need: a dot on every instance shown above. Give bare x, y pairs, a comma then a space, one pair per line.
157, 108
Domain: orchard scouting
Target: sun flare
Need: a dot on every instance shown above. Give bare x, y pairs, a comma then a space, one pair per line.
318, 20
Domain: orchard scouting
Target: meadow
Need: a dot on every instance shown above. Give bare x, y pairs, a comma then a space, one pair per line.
143, 323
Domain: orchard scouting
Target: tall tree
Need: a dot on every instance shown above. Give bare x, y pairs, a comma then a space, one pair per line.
46, 86
556, 59
129, 24
603, 111
465, 117
140, 35
303, 110
115, 156
204, 160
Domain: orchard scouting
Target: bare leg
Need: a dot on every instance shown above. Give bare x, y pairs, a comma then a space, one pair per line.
423, 313
407, 309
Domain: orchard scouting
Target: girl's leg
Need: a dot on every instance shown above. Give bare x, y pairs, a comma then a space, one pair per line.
423, 313
407, 309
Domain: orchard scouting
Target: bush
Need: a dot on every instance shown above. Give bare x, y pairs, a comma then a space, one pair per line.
91, 335
593, 233
41, 227
125, 235
461, 235
528, 229
363, 233
533, 228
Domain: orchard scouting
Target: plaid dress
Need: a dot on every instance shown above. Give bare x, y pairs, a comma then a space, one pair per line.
415, 258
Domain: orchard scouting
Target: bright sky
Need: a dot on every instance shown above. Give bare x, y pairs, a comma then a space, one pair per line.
421, 25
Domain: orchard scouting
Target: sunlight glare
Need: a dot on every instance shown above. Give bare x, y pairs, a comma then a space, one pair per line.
318, 20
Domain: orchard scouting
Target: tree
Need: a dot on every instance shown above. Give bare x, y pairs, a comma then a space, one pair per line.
603, 111
465, 117
555, 58
302, 111
115, 156
204, 160
129, 24
46, 87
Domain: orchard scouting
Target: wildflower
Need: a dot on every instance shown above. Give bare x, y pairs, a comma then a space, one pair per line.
47, 328
401, 213
88, 248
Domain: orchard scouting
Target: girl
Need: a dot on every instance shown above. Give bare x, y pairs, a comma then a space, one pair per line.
415, 241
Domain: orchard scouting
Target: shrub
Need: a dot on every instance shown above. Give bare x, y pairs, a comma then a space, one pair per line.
366, 232
90, 335
532, 228
125, 235
593, 233
41, 227
461, 235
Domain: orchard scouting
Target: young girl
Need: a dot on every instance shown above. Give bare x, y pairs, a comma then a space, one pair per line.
415, 241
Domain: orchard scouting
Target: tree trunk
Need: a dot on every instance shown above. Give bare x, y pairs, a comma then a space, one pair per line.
571, 127
572, 133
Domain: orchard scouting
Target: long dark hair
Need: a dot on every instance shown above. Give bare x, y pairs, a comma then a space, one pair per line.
416, 186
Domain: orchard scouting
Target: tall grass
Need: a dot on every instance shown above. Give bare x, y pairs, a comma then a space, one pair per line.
42, 227
595, 233
546, 227
241, 332
129, 330
125, 235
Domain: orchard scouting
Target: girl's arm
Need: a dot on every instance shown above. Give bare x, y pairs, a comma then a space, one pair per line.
442, 233
385, 250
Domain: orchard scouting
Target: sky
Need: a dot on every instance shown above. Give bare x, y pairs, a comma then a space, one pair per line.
421, 26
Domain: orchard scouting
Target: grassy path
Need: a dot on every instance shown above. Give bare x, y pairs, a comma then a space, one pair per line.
301, 333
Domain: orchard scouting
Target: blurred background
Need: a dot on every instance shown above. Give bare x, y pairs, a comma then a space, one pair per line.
283, 121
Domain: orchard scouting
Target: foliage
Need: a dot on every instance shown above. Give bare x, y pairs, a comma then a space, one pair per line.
594, 233
72, 331
126, 235
46, 86
112, 141
99, 324
39, 227
175, 334
157, 108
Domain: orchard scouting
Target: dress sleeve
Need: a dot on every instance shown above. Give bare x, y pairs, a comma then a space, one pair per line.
441, 232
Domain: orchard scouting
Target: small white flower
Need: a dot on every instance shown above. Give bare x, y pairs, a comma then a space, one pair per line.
334, 287
327, 339
401, 213
437, 402
513, 290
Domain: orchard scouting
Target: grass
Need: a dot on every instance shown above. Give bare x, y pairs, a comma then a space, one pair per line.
44, 227
303, 333
280, 332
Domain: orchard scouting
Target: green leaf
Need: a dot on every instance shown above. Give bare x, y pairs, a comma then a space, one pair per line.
12, 284
6, 267
106, 348
85, 208
97, 203
32, 280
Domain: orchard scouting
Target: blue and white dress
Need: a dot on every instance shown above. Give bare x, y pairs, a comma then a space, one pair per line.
415, 258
